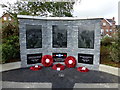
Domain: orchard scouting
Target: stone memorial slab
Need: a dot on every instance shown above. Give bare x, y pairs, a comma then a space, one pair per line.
71, 36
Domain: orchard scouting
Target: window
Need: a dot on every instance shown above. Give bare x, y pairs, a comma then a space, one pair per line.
5, 18
104, 24
85, 38
33, 36
107, 30
59, 37
110, 30
102, 31
9, 18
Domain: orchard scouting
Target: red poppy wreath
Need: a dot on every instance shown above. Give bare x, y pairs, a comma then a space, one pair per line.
82, 69
36, 67
47, 60
58, 67
70, 62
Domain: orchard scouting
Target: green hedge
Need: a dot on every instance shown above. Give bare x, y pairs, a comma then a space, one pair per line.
10, 49
109, 49
10, 42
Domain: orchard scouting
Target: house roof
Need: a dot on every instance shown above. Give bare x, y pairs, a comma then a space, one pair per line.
5, 14
108, 22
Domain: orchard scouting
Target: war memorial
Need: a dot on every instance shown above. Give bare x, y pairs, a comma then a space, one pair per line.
59, 37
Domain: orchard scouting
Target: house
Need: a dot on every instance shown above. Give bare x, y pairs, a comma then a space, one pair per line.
108, 27
6, 17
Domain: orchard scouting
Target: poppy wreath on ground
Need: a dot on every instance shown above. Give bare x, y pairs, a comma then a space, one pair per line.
82, 69
47, 60
58, 67
70, 62
36, 67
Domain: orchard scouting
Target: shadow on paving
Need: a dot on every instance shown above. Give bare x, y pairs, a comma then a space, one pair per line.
47, 74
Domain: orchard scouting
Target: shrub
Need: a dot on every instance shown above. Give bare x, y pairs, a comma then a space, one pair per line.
115, 49
0, 53
10, 48
10, 41
110, 48
106, 41
114, 54
104, 53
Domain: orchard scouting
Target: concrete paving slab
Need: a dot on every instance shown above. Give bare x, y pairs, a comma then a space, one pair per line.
109, 69
7, 84
10, 66
96, 85
25, 85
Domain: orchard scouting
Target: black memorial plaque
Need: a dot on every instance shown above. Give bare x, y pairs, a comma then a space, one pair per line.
34, 58
59, 57
33, 36
85, 58
85, 38
59, 36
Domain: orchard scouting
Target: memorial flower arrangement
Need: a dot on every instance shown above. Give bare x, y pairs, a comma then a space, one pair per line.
36, 67
70, 62
82, 69
58, 67
47, 61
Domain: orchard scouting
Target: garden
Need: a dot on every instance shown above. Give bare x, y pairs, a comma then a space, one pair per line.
110, 47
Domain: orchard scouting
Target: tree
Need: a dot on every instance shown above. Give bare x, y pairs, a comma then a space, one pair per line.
59, 9
10, 42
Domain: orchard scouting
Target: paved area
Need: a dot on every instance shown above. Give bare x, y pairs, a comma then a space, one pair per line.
9, 66
96, 85
25, 85
47, 75
109, 69
6, 84
14, 77
103, 68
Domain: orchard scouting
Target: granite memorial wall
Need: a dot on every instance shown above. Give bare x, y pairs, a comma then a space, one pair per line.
59, 37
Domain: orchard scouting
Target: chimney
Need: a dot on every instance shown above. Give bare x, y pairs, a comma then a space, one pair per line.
113, 18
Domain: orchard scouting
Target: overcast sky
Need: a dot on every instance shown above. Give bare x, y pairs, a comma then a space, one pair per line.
97, 8
91, 8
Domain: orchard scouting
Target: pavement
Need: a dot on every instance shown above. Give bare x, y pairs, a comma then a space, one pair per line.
102, 67
15, 77
10, 66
